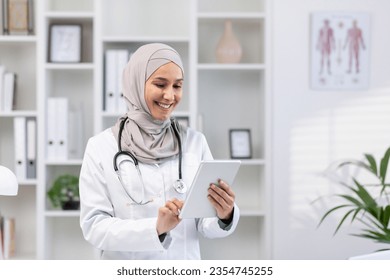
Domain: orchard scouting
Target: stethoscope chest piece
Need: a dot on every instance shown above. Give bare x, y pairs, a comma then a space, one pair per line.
180, 186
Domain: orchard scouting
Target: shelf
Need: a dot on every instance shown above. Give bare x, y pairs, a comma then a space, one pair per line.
18, 113
230, 66
18, 39
251, 212
132, 39
69, 162
28, 182
70, 15
243, 15
62, 213
69, 66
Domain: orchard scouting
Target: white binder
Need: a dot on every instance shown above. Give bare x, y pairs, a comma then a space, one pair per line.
122, 59
62, 128
31, 148
57, 128
110, 81
20, 147
9, 91
50, 128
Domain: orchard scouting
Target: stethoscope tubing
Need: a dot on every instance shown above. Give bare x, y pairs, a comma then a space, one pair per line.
120, 152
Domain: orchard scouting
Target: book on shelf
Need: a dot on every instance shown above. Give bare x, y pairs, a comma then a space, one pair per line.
18, 17
7, 90
7, 237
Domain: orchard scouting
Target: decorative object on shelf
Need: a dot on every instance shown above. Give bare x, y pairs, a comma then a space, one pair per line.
65, 192
240, 143
17, 17
366, 203
228, 48
65, 43
9, 183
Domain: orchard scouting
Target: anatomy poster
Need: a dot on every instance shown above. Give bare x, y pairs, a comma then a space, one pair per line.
340, 51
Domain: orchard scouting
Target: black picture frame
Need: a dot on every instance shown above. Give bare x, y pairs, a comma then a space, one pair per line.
240, 142
65, 43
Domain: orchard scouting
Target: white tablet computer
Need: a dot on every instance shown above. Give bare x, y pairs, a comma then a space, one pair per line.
197, 204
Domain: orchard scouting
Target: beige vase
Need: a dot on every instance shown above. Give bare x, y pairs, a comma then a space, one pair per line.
228, 48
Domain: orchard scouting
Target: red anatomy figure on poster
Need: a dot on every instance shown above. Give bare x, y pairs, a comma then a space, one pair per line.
354, 40
325, 44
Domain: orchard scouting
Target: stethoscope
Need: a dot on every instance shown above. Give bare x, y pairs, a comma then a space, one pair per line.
178, 185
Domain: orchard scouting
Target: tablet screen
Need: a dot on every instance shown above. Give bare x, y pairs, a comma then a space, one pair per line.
197, 204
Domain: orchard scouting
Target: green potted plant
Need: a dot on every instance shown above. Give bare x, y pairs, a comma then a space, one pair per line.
366, 199
64, 192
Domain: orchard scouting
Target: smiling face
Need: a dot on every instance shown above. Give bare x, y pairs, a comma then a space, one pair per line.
163, 91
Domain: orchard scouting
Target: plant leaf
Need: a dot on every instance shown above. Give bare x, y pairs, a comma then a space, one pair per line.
372, 162
330, 211
384, 165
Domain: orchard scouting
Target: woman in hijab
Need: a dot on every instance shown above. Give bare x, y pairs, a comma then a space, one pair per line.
135, 215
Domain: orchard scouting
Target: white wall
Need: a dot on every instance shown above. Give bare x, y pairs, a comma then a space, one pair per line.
312, 128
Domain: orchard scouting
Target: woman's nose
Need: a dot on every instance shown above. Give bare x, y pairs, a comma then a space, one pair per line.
169, 94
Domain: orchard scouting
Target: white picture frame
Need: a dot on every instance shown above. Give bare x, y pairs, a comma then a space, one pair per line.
65, 43
340, 50
240, 143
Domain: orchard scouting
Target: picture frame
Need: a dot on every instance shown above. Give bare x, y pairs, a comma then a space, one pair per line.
240, 142
17, 17
65, 43
340, 50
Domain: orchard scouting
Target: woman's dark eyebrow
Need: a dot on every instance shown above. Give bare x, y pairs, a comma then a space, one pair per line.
165, 80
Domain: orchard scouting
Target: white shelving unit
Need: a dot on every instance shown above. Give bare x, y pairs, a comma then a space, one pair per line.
237, 96
59, 231
217, 97
19, 55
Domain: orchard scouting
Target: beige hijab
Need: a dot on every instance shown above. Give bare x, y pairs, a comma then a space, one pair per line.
149, 140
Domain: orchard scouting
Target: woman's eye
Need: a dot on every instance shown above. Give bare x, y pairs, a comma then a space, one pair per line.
177, 86
160, 85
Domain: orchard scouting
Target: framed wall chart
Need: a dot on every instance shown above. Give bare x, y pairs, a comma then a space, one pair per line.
340, 50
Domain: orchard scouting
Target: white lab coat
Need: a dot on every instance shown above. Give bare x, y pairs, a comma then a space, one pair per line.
121, 229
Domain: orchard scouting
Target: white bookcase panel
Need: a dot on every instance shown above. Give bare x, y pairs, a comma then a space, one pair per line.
247, 242
65, 241
69, 5
7, 156
19, 56
231, 99
250, 191
145, 18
